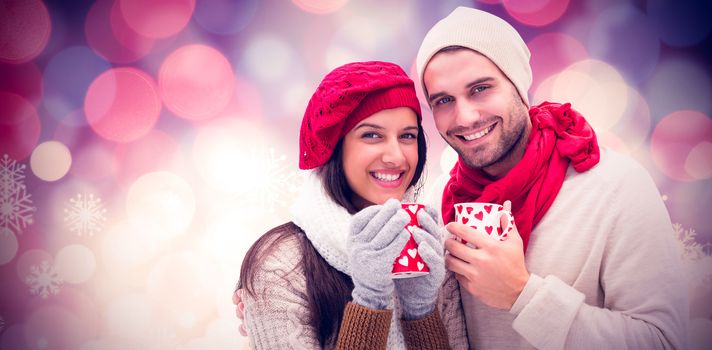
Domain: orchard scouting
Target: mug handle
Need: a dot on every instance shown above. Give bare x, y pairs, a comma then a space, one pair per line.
510, 224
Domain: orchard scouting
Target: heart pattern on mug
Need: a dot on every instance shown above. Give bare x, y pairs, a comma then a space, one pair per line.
412, 252
413, 208
486, 216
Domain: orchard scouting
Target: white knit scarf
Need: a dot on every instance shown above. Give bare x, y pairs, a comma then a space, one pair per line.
326, 225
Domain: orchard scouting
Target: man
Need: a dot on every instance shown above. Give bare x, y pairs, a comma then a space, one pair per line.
593, 262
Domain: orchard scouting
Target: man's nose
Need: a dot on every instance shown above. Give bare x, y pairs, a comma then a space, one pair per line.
466, 113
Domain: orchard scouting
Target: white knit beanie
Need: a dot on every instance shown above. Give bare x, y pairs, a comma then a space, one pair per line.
485, 33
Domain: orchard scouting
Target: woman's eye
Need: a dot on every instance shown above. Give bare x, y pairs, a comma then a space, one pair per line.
370, 135
409, 136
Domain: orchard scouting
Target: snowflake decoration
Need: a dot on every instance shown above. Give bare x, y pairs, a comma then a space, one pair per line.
15, 204
85, 215
690, 249
277, 184
43, 280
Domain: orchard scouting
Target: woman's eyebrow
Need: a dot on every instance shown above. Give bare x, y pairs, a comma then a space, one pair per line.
369, 125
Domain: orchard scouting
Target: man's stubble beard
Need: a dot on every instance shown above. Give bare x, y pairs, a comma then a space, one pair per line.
510, 140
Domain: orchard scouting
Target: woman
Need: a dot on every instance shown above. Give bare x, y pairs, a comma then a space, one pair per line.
323, 280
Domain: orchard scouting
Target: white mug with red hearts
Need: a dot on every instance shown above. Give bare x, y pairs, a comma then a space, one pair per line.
484, 217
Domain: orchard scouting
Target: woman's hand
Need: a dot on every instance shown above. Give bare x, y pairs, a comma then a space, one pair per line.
376, 239
418, 295
239, 310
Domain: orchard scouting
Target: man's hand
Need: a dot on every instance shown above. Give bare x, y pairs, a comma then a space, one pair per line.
493, 271
239, 310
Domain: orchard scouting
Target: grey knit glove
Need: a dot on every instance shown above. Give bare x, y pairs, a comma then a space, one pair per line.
418, 295
377, 237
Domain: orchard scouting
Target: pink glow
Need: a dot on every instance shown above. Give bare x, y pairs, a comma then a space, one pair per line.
225, 16
94, 162
69, 130
247, 101
55, 327
315, 43
634, 126
196, 82
157, 18
82, 304
320, 7
25, 27
608, 139
122, 104
155, 151
552, 53
126, 36
536, 12
109, 37
675, 137
22, 79
19, 126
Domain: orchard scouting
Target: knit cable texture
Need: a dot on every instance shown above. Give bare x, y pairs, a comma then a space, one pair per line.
363, 328
426, 333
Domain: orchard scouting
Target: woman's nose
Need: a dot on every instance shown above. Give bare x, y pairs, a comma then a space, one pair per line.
392, 153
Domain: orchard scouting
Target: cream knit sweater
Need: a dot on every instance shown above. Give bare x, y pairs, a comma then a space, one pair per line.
605, 273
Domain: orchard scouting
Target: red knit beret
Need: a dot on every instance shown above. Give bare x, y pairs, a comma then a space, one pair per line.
346, 96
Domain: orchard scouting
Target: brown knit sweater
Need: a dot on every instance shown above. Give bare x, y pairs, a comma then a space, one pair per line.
364, 328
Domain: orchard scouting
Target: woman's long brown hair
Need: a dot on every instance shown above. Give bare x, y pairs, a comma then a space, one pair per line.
328, 289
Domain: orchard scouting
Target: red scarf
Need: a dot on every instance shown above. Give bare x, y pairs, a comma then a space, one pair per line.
559, 135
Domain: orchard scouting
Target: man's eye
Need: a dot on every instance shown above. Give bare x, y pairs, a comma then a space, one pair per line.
443, 100
479, 88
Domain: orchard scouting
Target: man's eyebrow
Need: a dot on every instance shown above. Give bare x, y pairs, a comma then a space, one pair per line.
437, 95
480, 81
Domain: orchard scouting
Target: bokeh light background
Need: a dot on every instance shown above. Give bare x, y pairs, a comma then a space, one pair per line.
144, 145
